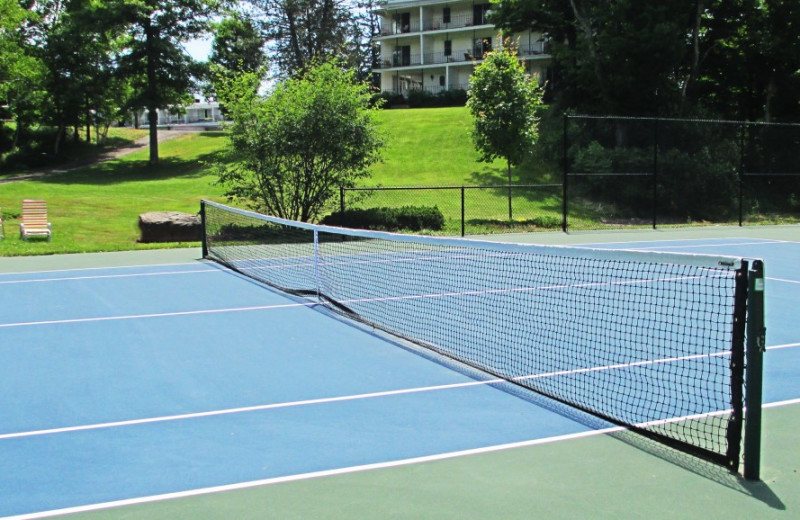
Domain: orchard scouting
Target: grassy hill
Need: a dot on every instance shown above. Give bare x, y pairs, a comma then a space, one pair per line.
96, 208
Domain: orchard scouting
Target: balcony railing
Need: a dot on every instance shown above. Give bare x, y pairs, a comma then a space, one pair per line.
437, 23
400, 61
462, 56
400, 28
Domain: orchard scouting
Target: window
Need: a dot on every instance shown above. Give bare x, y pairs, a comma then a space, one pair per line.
481, 46
402, 56
441, 81
446, 15
448, 48
479, 13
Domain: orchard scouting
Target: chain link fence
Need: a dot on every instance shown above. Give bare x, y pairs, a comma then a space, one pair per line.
471, 210
629, 172
621, 172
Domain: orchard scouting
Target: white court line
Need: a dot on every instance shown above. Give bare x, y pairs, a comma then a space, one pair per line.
509, 290
158, 315
324, 400
100, 277
307, 476
108, 268
331, 473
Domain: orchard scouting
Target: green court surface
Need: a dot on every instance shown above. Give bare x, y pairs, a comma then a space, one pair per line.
593, 475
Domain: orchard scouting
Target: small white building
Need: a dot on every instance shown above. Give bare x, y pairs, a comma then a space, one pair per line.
197, 113
434, 45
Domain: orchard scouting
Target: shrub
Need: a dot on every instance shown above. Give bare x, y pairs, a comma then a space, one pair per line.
411, 218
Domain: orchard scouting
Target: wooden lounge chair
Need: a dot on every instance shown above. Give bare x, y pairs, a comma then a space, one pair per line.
34, 220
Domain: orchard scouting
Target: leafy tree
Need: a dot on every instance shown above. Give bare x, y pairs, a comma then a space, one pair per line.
303, 32
503, 102
21, 70
237, 46
151, 52
730, 59
290, 151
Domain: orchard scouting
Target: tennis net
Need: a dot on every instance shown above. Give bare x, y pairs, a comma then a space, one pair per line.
651, 341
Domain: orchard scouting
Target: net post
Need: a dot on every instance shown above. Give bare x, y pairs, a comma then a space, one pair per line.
203, 228
756, 345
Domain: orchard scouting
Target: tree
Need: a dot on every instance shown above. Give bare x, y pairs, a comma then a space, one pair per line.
21, 71
292, 150
237, 46
303, 32
151, 53
728, 59
503, 102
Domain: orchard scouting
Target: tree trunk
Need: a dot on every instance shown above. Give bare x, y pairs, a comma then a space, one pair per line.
152, 91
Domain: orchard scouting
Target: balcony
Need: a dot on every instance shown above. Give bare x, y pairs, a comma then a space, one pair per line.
460, 56
436, 24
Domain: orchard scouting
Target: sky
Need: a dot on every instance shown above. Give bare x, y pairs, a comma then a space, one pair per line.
199, 49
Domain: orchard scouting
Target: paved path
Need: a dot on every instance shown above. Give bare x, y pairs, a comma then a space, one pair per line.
163, 135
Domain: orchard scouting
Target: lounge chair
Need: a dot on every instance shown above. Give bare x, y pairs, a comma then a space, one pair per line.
34, 220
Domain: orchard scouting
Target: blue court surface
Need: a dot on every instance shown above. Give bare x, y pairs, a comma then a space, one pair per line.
133, 384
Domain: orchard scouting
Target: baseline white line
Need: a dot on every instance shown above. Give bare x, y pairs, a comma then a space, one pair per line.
329, 473
100, 277
158, 315
324, 400
365, 300
784, 280
77, 269
312, 475
228, 411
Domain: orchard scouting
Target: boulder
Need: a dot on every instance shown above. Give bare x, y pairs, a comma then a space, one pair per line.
170, 226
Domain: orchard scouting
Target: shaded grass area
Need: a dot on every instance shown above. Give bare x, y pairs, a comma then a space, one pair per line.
37, 150
96, 208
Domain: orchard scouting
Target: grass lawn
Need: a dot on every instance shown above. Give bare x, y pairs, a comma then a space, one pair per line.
96, 208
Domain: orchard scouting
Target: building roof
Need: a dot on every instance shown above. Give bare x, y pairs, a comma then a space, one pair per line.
387, 5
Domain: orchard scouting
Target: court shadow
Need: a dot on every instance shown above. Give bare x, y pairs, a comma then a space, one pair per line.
759, 490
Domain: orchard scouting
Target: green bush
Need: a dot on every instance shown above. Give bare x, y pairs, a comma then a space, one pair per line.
410, 218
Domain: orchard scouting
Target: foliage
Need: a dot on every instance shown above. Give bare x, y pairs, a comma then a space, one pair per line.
734, 59
292, 150
237, 45
411, 218
303, 32
503, 102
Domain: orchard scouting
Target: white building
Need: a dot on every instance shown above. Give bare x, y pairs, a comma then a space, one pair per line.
198, 113
434, 45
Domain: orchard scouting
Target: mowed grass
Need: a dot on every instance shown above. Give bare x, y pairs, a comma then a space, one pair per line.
96, 208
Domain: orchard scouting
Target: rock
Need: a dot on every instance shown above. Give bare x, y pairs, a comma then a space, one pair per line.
170, 226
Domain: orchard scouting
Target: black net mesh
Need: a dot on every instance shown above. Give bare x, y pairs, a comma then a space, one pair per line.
647, 340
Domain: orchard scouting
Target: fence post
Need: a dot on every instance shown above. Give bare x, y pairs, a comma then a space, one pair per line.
462, 211
341, 198
564, 178
655, 173
742, 132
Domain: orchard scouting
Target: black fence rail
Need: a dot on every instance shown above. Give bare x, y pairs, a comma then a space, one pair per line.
470, 209
618, 172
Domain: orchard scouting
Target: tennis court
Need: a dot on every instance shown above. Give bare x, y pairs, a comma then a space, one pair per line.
160, 385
